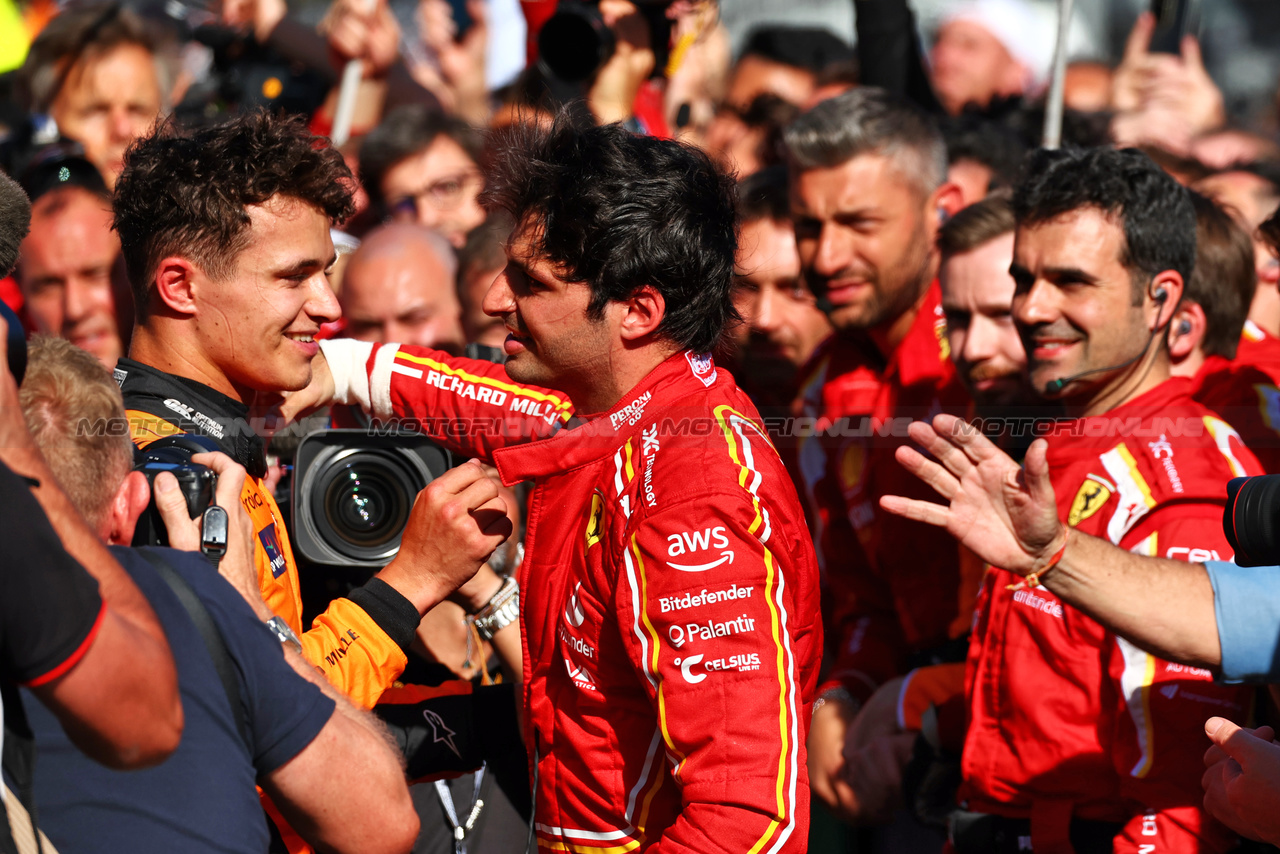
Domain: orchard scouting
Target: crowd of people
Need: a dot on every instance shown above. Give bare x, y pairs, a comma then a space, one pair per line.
831, 465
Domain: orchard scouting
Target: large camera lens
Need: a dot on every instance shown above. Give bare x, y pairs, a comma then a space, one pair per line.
364, 498
574, 42
1251, 520
367, 506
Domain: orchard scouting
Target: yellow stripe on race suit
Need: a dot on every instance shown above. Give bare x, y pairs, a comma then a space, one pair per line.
737, 429
1134, 495
561, 845
587, 841
558, 403
1222, 434
1137, 681
651, 666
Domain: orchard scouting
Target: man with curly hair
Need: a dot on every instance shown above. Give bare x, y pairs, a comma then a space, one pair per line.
669, 592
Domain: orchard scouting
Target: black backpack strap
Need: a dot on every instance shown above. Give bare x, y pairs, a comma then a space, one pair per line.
212, 638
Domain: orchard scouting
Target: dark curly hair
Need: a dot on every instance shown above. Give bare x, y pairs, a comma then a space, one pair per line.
185, 192
1154, 210
619, 211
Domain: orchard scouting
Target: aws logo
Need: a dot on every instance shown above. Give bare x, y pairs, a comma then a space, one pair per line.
686, 542
1094, 492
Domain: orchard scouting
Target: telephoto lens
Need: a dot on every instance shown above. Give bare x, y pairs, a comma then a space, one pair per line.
353, 491
1251, 519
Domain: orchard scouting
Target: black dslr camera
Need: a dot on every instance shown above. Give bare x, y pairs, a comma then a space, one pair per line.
198, 483
575, 42
353, 490
1251, 520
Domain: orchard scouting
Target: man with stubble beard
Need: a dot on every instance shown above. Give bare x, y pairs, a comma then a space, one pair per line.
976, 249
868, 195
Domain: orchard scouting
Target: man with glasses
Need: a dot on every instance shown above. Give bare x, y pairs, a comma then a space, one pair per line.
422, 166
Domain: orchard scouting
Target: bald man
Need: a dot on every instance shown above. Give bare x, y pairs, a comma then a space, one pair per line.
399, 286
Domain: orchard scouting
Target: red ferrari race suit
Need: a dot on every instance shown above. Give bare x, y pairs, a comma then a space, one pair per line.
895, 589
1066, 719
1247, 399
1258, 348
670, 615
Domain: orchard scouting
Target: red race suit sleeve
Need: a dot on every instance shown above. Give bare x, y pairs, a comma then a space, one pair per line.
706, 606
468, 405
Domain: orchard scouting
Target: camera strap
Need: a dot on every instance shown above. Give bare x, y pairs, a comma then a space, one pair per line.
212, 638
461, 827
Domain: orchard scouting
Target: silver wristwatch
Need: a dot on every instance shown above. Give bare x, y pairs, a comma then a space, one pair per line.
283, 633
500, 611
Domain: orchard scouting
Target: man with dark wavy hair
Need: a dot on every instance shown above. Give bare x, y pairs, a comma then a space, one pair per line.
670, 587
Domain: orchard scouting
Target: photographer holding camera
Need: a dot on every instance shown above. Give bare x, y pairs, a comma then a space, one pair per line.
74, 628
299, 740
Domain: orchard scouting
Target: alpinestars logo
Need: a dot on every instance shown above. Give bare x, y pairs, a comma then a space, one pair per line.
440, 732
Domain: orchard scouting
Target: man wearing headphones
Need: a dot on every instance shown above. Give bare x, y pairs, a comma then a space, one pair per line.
1077, 737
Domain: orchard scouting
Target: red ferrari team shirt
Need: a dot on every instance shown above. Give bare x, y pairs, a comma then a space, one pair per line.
1065, 717
895, 587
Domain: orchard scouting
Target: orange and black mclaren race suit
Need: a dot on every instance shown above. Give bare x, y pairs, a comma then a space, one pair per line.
359, 642
1071, 727
670, 598
897, 591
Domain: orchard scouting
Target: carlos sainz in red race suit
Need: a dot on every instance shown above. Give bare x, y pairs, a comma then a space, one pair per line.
670, 615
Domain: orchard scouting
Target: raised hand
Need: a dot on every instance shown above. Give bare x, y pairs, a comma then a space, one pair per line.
1004, 513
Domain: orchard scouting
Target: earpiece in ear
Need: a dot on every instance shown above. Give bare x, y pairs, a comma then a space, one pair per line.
1184, 327
1160, 295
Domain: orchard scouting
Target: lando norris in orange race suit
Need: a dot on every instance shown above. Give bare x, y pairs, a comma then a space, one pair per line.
1078, 740
670, 589
225, 233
